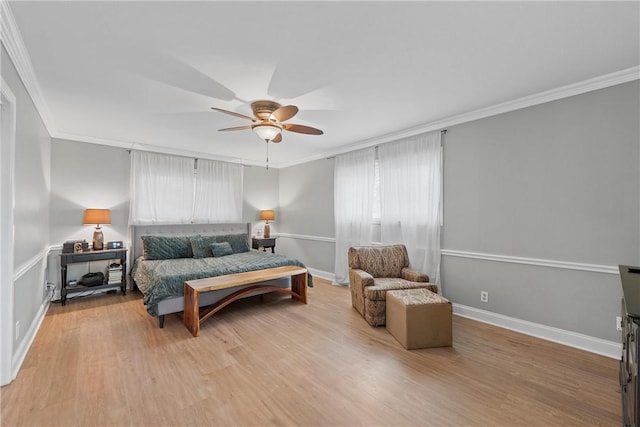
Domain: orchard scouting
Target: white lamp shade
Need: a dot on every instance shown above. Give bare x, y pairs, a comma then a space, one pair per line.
266, 131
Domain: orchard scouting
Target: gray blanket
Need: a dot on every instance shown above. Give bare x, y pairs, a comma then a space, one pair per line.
162, 279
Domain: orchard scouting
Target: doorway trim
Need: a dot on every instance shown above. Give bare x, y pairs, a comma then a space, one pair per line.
7, 204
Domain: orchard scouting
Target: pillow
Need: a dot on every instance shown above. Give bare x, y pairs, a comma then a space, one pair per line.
221, 249
239, 242
200, 245
166, 247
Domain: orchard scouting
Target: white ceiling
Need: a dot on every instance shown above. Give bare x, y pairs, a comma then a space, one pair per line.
145, 74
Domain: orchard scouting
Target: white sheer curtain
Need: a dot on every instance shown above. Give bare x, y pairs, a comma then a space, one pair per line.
161, 189
170, 190
218, 192
353, 205
410, 194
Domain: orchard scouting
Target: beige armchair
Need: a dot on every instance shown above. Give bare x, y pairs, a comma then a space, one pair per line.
374, 270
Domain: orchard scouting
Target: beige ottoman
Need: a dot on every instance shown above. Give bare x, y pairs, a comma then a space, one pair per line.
419, 318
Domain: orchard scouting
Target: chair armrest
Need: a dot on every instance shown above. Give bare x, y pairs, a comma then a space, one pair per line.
413, 275
359, 278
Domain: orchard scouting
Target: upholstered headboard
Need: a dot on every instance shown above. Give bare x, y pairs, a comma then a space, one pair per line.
185, 230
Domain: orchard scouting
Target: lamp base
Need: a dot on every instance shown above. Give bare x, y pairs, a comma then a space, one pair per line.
267, 231
98, 240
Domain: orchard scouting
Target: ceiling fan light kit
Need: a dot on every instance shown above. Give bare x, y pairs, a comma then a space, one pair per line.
268, 120
266, 131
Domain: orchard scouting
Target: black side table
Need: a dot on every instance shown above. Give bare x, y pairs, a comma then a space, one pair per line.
265, 244
107, 254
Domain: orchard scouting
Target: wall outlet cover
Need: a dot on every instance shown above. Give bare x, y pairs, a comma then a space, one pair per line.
484, 296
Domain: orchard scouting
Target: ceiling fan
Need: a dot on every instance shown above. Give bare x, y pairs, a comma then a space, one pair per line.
268, 121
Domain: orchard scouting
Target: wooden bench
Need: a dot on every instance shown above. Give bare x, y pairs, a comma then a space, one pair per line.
193, 288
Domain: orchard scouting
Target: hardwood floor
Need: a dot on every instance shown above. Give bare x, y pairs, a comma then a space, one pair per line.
104, 361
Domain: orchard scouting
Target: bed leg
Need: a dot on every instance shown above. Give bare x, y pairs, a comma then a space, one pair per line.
161, 321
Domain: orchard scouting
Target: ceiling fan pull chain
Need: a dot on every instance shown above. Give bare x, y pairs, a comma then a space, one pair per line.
267, 141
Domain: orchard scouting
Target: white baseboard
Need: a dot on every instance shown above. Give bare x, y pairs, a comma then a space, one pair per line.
549, 333
25, 345
322, 274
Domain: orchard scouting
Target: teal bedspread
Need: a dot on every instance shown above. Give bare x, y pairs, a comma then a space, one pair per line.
162, 279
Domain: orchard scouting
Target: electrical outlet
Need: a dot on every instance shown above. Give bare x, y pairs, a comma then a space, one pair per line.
484, 296
17, 330
618, 323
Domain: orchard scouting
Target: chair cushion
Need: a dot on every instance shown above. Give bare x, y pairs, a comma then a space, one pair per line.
408, 297
378, 292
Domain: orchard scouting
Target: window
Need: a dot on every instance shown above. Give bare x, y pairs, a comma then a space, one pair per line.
180, 190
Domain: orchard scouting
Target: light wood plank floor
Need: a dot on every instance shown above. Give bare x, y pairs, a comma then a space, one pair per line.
104, 361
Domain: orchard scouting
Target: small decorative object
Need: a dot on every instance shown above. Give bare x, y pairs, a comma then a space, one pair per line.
97, 216
267, 216
114, 245
72, 246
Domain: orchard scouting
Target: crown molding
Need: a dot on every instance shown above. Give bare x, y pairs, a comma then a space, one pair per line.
600, 82
13, 43
153, 148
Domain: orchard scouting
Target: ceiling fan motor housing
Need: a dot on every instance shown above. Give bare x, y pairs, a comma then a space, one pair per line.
262, 109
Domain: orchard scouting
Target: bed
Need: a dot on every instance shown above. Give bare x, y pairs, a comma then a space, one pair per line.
165, 256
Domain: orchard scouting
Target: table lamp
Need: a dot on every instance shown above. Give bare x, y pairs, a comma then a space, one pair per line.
267, 216
97, 216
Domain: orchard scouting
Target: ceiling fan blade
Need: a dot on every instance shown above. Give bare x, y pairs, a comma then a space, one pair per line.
236, 128
284, 113
233, 113
302, 129
277, 139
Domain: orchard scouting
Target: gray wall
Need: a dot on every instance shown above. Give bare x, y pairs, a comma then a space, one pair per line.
31, 212
558, 181
88, 176
260, 192
306, 205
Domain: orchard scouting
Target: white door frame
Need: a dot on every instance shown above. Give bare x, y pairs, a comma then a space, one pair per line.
7, 203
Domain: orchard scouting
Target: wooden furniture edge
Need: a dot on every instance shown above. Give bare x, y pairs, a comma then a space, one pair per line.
192, 289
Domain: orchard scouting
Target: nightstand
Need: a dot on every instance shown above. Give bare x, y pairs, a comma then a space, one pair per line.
88, 256
265, 244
